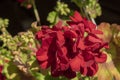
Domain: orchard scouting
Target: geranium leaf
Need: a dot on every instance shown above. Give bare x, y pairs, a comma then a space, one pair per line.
52, 17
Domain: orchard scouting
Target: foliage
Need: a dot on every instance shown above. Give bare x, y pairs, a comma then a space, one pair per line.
17, 51
111, 35
89, 7
61, 10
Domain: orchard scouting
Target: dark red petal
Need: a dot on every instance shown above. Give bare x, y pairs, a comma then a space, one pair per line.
81, 29
44, 64
41, 55
63, 66
92, 70
106, 45
97, 32
56, 73
83, 70
39, 35
89, 72
70, 34
69, 73
62, 54
60, 38
94, 39
76, 17
95, 67
80, 44
101, 58
55, 70
74, 47
46, 42
65, 28
87, 56
71, 23
1, 67
91, 25
58, 26
75, 63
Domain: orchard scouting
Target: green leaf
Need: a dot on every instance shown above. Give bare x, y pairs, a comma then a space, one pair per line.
38, 76
52, 17
95, 78
24, 57
5, 53
11, 71
116, 59
3, 23
34, 66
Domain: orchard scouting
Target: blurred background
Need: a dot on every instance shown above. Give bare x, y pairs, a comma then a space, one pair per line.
21, 18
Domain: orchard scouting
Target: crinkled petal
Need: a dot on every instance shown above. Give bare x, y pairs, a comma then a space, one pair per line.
62, 54
44, 64
101, 58
94, 39
76, 17
58, 26
97, 32
87, 56
81, 45
70, 34
69, 73
75, 63
92, 70
91, 25
41, 55
39, 35
60, 38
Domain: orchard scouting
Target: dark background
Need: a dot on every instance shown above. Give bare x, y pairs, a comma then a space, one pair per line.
21, 18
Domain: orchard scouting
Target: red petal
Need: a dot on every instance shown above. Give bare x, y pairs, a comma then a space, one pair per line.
69, 73
1, 67
46, 42
41, 55
44, 65
76, 17
94, 39
81, 44
60, 38
92, 70
58, 26
81, 29
87, 56
75, 63
91, 25
70, 34
102, 58
39, 35
97, 32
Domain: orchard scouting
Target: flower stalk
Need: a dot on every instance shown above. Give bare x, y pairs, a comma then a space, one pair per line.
36, 12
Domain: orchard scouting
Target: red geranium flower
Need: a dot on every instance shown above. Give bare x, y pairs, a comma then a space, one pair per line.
88, 46
71, 49
53, 52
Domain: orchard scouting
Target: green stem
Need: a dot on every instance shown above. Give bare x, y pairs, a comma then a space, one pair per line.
88, 16
82, 12
36, 12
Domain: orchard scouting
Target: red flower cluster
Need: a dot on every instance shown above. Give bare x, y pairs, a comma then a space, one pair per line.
1, 75
71, 49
